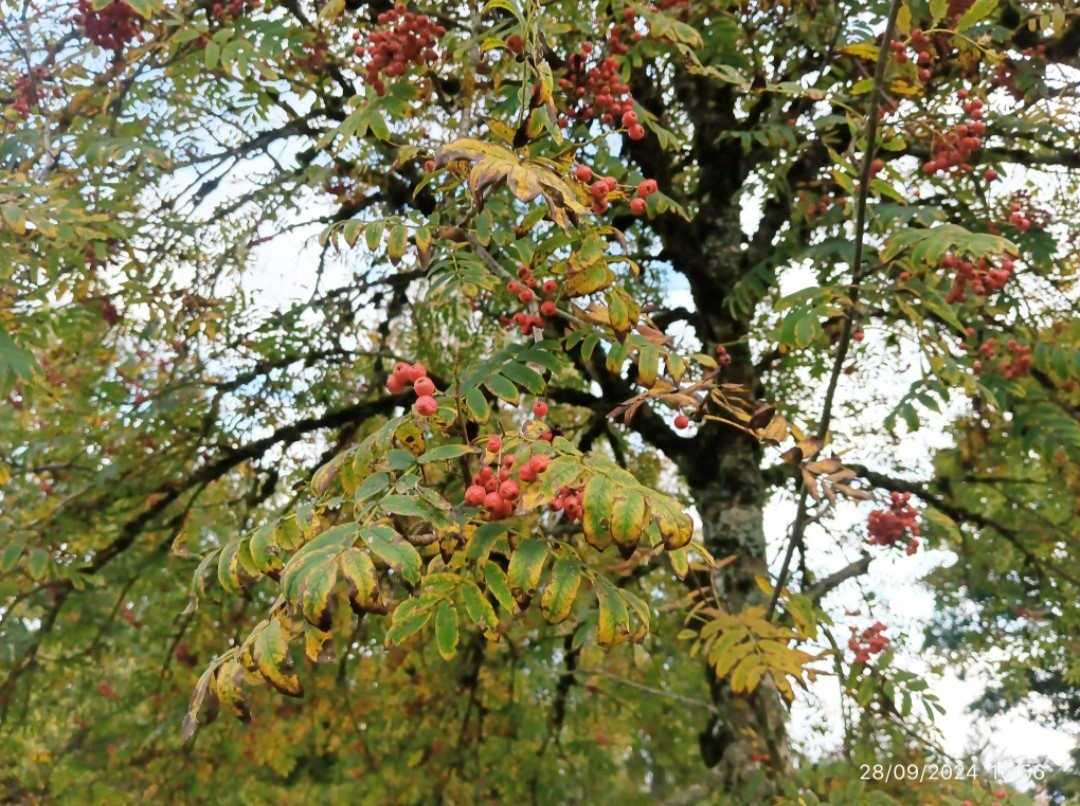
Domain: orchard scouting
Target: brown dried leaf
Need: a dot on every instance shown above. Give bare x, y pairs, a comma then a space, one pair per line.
763, 415
851, 492
792, 456
811, 446
811, 485
654, 336
777, 430
823, 466
524, 183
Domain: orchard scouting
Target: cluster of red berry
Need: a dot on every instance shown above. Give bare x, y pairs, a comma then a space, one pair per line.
111, 27
1015, 364
889, 526
952, 150
869, 642
924, 56
568, 502
979, 276
620, 36
525, 288
820, 206
28, 92
410, 40
415, 374
316, 53
1021, 213
723, 357
494, 490
235, 8
594, 88
602, 188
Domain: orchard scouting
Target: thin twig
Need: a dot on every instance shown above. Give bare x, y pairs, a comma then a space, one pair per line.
798, 528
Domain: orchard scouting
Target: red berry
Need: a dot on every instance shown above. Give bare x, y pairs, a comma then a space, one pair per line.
547, 308
550, 286
905, 276
859, 335
647, 187
583, 173
416, 372
515, 44
599, 189
475, 495
682, 421
990, 174
425, 406
509, 490
493, 502
494, 444
611, 183
424, 387
636, 132
527, 296
401, 371
540, 408
540, 462
629, 119
638, 206
527, 473
514, 287
429, 166
395, 385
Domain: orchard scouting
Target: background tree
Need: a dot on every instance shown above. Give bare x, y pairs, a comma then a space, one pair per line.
581, 269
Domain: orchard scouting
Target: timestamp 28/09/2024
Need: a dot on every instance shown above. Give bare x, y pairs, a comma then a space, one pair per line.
951, 771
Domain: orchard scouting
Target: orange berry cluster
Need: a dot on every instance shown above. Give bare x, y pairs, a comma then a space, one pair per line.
415, 374
111, 27
924, 53
980, 276
1021, 213
526, 288
1015, 364
952, 150
869, 642
27, 92
889, 526
235, 8
594, 89
568, 502
410, 40
494, 490
601, 188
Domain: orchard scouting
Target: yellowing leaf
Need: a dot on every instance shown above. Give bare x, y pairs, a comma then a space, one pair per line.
564, 471
595, 277
394, 550
628, 517
676, 527
597, 503
613, 619
446, 630
229, 684
270, 652
479, 609
526, 565
561, 590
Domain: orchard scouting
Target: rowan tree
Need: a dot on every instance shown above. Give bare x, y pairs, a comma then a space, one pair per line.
410, 382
